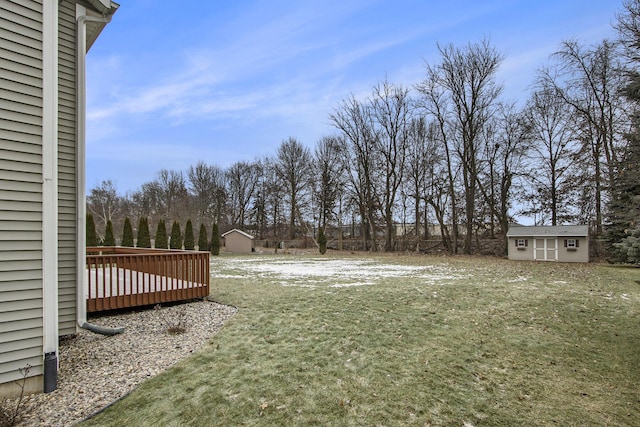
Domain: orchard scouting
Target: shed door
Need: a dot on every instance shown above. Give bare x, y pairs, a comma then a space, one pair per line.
545, 249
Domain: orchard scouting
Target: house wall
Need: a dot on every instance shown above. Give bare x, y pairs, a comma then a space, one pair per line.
236, 242
21, 231
67, 168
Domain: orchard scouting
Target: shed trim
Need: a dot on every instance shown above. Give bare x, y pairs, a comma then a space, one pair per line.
235, 230
549, 231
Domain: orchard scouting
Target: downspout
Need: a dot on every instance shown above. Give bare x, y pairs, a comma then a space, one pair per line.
81, 245
50, 195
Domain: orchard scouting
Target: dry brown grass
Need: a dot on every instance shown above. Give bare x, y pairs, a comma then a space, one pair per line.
407, 340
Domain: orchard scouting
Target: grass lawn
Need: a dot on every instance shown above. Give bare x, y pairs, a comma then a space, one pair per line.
406, 340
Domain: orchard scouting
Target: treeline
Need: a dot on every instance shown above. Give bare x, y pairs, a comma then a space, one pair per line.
177, 240
448, 156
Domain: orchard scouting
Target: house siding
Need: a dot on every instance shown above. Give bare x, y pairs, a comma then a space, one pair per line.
20, 188
67, 205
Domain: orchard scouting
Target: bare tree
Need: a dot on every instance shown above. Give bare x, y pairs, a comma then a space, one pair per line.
172, 193
272, 193
552, 155
242, 181
207, 188
329, 177
293, 166
422, 153
391, 109
514, 141
147, 202
628, 26
104, 203
437, 104
505, 149
589, 81
465, 82
354, 120
437, 195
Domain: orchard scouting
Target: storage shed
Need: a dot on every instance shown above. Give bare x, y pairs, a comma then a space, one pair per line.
238, 241
563, 243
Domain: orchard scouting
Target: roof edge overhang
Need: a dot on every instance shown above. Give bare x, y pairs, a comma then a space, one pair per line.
99, 8
549, 231
235, 230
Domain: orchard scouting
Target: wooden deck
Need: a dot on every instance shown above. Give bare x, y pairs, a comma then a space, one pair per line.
120, 277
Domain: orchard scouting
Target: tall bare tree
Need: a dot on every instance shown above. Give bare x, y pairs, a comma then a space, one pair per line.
553, 153
354, 120
207, 187
422, 154
293, 166
242, 182
392, 109
588, 79
329, 177
508, 137
173, 194
146, 202
271, 191
104, 203
514, 139
436, 103
465, 82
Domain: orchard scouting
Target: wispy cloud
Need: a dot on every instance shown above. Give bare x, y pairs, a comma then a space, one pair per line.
248, 76
268, 63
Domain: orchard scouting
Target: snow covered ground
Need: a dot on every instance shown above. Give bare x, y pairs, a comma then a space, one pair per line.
314, 272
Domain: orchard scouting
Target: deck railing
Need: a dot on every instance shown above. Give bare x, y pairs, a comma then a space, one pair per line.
120, 277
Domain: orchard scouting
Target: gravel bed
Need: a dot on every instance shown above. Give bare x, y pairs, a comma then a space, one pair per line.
96, 370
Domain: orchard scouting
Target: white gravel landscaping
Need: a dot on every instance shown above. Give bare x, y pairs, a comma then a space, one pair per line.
96, 370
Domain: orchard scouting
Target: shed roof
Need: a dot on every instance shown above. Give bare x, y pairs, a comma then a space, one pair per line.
550, 231
235, 230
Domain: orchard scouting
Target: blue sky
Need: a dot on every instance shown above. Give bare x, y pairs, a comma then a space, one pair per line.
171, 83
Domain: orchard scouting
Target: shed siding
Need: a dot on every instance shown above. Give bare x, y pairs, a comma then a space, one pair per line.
520, 254
20, 188
237, 243
579, 254
66, 169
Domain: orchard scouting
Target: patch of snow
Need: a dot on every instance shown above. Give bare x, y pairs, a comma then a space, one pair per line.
336, 273
297, 285
348, 285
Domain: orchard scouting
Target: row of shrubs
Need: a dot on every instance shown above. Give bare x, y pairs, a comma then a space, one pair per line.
162, 241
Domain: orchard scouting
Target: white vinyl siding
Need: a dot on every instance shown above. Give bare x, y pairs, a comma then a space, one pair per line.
67, 169
20, 188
